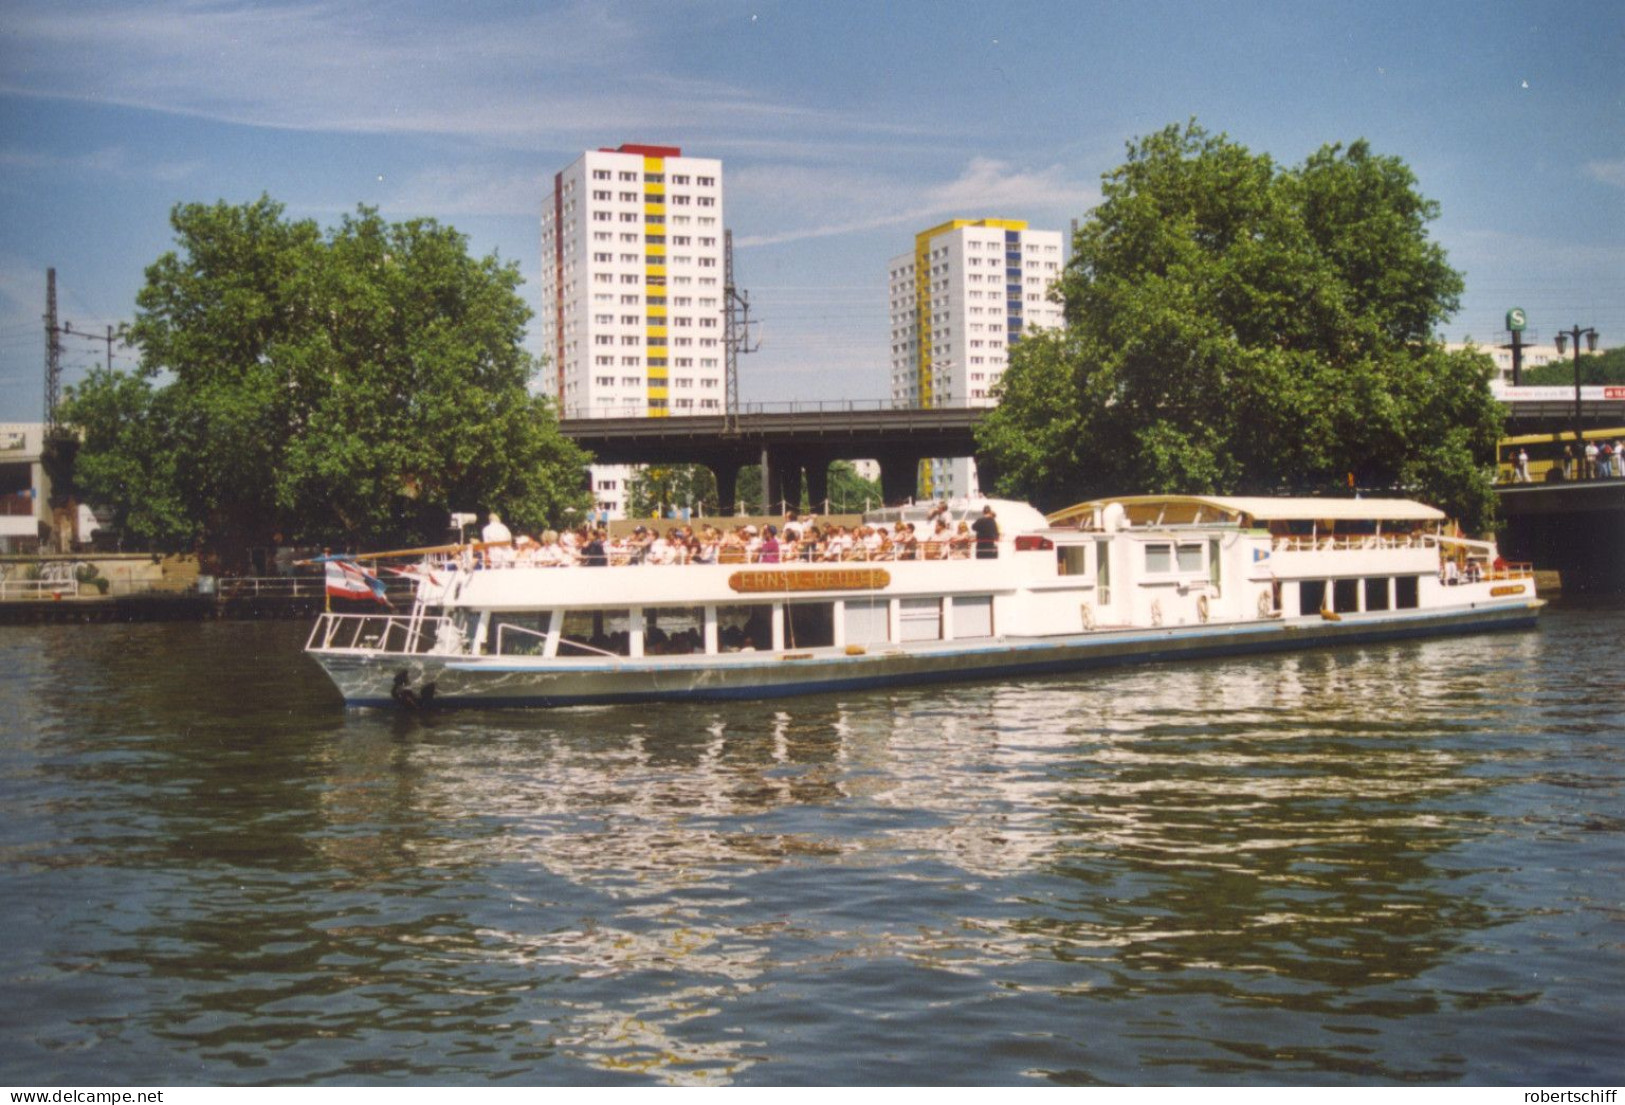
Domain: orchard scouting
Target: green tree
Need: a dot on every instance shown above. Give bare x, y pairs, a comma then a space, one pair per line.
1234, 327
849, 492
656, 491
1595, 368
351, 387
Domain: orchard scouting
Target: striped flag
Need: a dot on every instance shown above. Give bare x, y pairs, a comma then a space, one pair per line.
348, 580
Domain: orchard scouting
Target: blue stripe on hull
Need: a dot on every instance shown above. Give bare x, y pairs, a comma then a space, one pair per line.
1215, 644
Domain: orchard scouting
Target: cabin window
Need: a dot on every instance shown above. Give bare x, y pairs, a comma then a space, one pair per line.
1346, 596
809, 624
1103, 571
1405, 592
920, 619
1185, 558
518, 634
973, 616
1213, 563
1376, 593
745, 628
673, 630
596, 633
867, 621
1074, 559
1311, 596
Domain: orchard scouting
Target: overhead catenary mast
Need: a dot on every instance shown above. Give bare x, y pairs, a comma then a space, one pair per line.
736, 336
53, 354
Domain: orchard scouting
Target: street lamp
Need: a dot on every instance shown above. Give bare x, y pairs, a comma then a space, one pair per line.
1563, 336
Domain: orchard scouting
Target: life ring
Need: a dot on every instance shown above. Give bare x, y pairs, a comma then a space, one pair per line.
1201, 608
1088, 616
1265, 606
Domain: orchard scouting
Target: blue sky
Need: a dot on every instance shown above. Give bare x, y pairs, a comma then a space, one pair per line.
843, 127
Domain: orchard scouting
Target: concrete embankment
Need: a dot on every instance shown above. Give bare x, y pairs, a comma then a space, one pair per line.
155, 607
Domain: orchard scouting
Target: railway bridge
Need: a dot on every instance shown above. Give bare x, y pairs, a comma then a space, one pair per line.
788, 440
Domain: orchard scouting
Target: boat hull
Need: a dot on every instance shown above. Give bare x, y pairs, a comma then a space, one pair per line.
372, 679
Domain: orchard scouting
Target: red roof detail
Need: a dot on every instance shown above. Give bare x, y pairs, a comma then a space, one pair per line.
646, 151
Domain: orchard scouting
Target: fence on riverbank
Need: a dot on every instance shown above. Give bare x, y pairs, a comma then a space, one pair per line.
59, 600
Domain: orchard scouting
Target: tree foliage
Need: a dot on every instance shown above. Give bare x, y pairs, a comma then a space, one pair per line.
660, 490
1595, 368
351, 387
1236, 327
657, 491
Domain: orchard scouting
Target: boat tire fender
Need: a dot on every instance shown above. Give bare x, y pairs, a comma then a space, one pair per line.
1202, 608
1088, 616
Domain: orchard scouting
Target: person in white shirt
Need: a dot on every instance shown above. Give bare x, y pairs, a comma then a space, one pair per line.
500, 538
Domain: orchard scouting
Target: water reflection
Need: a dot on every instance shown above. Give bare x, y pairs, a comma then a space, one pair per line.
1282, 868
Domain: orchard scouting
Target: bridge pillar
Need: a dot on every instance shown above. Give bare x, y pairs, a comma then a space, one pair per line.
899, 475
726, 474
784, 480
818, 481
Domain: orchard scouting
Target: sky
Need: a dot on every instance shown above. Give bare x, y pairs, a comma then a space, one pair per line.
844, 128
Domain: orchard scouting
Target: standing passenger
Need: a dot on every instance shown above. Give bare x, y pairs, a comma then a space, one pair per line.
986, 529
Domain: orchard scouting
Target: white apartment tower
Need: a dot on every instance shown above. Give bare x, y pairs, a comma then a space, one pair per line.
965, 295
632, 311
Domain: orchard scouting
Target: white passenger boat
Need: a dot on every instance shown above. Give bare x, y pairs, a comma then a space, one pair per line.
1119, 581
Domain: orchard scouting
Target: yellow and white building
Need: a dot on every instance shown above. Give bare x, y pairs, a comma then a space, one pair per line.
632, 306
959, 301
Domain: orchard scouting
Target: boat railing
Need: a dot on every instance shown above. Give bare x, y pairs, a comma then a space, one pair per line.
1350, 543
1474, 572
403, 633
738, 554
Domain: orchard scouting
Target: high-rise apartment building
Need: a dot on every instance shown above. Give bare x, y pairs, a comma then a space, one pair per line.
632, 311
959, 301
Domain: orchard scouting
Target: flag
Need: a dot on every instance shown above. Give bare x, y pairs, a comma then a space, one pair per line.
418, 573
348, 580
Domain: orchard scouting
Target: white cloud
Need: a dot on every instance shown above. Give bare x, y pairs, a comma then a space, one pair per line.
555, 76
471, 190
108, 161
834, 202
1609, 172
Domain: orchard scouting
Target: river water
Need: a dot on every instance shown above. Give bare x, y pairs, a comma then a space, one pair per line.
1398, 864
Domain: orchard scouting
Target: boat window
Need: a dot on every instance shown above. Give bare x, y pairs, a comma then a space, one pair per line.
745, 627
596, 632
920, 619
1103, 570
1186, 558
1346, 596
809, 624
1311, 596
518, 634
973, 616
1405, 591
673, 630
867, 621
1074, 559
1213, 563
1376, 593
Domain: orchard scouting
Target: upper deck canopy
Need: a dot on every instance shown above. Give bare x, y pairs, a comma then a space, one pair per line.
1173, 510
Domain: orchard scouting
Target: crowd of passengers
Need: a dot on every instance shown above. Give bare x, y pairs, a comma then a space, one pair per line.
799, 539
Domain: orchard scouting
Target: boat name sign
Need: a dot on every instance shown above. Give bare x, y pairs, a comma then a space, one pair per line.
822, 579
